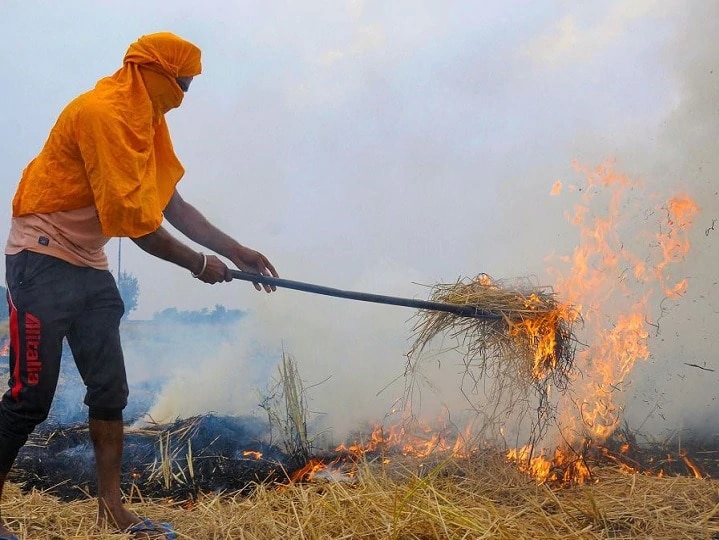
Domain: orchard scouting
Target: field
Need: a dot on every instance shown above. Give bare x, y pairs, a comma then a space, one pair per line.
408, 499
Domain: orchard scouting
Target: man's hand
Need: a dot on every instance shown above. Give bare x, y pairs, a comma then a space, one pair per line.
212, 270
249, 260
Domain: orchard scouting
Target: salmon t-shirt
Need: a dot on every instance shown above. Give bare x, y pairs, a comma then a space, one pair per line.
74, 236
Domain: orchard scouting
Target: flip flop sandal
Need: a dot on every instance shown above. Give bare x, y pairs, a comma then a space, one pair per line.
149, 526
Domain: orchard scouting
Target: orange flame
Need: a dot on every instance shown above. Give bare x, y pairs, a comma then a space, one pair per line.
612, 277
690, 464
564, 466
308, 472
422, 441
616, 303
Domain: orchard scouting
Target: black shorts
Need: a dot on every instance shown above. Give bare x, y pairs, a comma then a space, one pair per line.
50, 299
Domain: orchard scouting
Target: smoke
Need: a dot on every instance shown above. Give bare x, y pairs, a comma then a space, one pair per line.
351, 355
675, 395
201, 368
377, 147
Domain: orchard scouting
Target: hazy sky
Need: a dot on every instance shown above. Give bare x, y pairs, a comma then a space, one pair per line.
339, 136
372, 145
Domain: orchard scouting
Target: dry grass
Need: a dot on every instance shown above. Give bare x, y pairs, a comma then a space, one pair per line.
484, 498
285, 405
510, 362
532, 337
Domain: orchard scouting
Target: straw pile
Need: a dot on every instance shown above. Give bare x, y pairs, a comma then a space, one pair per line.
511, 361
484, 498
532, 338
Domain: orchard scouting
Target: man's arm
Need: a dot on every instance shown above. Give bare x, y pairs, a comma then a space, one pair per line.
190, 222
163, 245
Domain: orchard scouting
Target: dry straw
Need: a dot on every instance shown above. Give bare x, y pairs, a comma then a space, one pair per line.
458, 499
533, 331
528, 348
285, 405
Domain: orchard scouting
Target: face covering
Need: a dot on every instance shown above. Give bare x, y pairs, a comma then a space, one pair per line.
164, 91
161, 58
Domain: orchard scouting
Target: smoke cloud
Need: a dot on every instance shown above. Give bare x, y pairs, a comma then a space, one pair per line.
382, 147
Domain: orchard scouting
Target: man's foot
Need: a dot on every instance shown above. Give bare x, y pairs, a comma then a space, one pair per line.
117, 517
123, 520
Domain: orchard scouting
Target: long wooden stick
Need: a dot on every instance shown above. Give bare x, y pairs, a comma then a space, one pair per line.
463, 310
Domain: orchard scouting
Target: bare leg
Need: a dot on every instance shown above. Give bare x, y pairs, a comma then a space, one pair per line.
107, 440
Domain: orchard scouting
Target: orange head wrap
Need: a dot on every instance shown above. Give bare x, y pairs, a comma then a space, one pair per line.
111, 147
162, 58
166, 52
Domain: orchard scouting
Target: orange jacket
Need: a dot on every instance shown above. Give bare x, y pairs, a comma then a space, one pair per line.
111, 148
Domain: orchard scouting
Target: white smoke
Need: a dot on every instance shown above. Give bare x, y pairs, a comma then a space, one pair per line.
371, 146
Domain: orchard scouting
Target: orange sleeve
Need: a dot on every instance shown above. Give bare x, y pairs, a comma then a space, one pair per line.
120, 165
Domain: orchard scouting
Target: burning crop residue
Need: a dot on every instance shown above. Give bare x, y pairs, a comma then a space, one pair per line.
204, 454
410, 439
563, 410
616, 276
426, 446
385, 445
534, 331
612, 283
182, 461
511, 362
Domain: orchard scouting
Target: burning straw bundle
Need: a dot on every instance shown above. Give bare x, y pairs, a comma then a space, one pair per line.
530, 344
533, 331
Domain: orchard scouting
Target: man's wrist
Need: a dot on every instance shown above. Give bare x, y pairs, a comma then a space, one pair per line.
202, 267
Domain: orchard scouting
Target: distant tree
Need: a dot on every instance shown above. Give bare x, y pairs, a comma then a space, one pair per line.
129, 291
219, 315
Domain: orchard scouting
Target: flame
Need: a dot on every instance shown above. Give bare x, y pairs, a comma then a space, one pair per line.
308, 472
612, 278
597, 281
485, 281
690, 464
564, 466
543, 333
674, 242
421, 440
611, 281
252, 454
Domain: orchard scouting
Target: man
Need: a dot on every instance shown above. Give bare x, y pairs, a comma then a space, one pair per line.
107, 169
